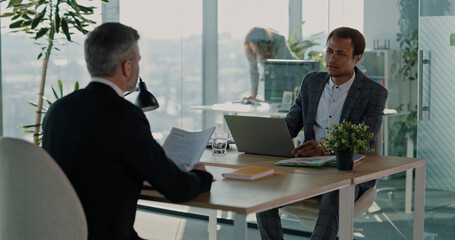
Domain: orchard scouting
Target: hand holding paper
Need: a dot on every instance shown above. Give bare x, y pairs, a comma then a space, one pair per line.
186, 148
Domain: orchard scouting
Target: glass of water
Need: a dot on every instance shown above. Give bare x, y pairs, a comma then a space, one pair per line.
219, 143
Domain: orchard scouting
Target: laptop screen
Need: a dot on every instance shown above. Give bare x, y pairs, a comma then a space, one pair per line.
260, 135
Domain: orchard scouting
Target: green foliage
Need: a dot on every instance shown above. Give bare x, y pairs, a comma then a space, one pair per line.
57, 95
300, 48
47, 19
408, 36
399, 132
347, 137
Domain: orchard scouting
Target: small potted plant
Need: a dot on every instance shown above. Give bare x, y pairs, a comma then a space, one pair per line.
345, 139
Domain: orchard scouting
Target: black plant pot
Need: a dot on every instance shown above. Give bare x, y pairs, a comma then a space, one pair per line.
345, 160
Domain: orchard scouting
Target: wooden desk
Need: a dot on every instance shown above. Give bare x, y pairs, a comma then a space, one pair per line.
246, 197
371, 167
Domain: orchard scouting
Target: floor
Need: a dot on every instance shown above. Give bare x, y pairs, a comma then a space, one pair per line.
384, 220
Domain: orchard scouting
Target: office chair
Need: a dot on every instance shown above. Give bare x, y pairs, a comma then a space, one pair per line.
36, 199
307, 210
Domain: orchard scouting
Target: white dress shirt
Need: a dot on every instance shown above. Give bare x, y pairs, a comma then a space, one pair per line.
110, 84
330, 106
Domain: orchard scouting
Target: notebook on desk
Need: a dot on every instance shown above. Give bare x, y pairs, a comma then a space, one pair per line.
260, 135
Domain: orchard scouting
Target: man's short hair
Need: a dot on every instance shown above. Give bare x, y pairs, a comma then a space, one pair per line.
357, 39
107, 46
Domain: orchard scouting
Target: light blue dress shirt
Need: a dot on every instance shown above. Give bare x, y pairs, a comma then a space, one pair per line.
330, 106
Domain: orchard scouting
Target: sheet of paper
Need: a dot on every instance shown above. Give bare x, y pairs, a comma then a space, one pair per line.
186, 148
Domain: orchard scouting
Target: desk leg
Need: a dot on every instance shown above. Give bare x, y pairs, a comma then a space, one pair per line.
419, 203
408, 192
212, 224
346, 212
240, 226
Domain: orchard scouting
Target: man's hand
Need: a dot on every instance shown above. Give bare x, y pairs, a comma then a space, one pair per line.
251, 97
198, 166
308, 149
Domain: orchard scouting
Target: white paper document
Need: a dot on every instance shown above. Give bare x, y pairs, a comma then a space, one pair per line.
186, 148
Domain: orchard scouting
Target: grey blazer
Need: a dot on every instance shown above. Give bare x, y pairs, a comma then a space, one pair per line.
365, 103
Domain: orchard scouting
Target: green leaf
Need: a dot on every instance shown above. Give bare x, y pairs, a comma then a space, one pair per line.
30, 126
7, 14
87, 10
65, 29
13, 2
60, 86
57, 21
16, 17
41, 32
32, 103
16, 24
26, 17
38, 18
27, 23
55, 93
76, 86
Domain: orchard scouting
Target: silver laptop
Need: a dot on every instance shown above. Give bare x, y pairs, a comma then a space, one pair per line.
260, 135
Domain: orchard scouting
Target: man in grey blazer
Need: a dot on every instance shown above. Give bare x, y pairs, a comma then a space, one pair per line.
341, 93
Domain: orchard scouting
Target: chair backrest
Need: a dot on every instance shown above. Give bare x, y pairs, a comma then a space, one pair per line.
37, 201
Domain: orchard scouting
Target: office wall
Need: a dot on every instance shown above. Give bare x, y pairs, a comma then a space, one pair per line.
381, 22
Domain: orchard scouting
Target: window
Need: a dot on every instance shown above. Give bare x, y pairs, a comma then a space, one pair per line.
21, 72
171, 64
236, 18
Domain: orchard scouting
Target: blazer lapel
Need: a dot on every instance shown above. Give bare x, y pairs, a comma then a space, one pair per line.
316, 93
353, 94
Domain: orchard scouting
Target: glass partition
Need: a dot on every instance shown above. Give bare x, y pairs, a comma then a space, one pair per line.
171, 63
235, 19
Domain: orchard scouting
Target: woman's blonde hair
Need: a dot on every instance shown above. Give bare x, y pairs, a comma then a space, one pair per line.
263, 39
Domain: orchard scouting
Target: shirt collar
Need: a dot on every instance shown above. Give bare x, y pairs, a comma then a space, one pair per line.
109, 83
345, 86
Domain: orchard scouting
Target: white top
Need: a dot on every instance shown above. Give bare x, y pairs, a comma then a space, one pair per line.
330, 106
110, 84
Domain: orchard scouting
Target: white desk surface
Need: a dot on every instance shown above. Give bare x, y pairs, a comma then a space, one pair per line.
263, 108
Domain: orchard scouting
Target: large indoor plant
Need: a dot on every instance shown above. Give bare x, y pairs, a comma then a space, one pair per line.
345, 139
300, 48
45, 20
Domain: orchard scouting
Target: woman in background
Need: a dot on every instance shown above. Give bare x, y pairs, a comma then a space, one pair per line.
267, 45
